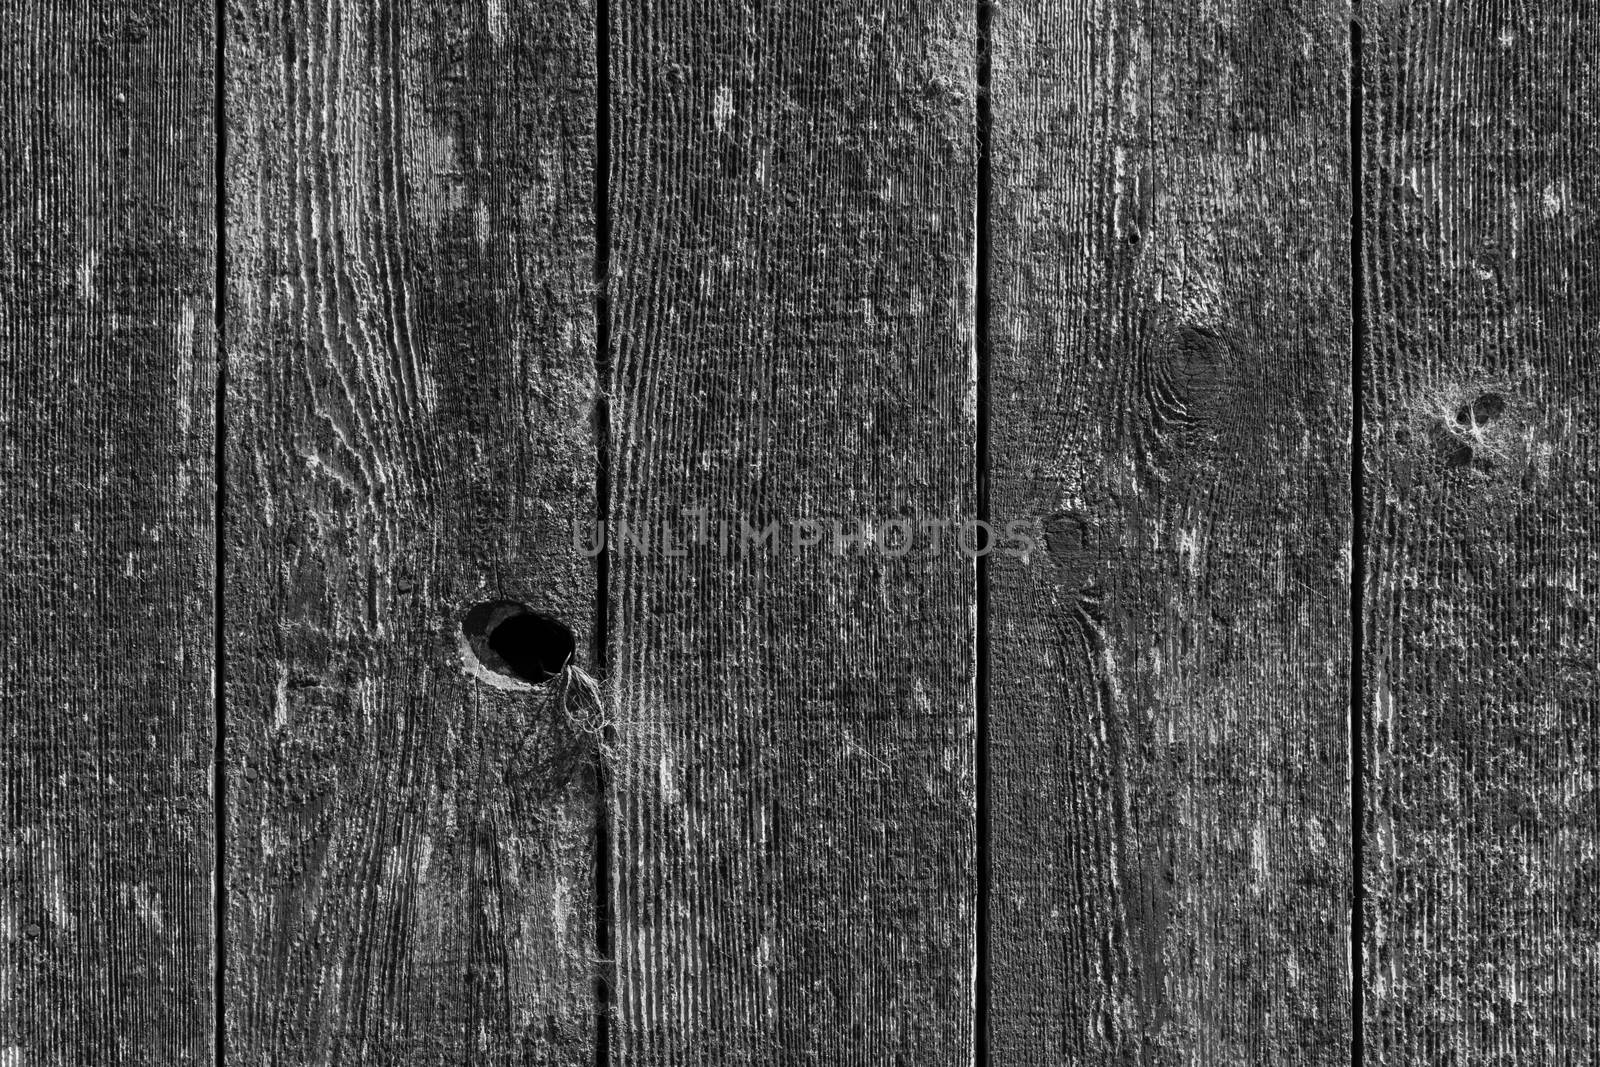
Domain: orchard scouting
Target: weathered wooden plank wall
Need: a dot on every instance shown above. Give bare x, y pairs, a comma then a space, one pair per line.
1483, 902
1171, 389
427, 387
792, 302
410, 244
107, 389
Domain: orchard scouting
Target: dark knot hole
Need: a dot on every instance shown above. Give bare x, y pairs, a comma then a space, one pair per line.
1482, 411
513, 641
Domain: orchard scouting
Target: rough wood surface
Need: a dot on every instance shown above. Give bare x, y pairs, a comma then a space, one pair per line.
411, 360
106, 628
1482, 874
792, 308
1171, 395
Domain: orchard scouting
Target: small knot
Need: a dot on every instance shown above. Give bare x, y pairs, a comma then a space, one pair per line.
1481, 412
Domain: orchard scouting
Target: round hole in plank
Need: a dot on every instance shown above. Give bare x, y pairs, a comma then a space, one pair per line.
509, 640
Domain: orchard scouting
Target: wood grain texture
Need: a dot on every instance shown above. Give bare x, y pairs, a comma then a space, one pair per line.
107, 378
792, 307
411, 359
1481, 194
106, 550
1171, 396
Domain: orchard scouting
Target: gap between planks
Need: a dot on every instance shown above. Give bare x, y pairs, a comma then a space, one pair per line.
1358, 568
219, 766
981, 310
603, 931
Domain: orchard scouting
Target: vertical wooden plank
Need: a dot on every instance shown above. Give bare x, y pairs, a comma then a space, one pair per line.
1480, 193
410, 233
1171, 391
792, 312
107, 545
